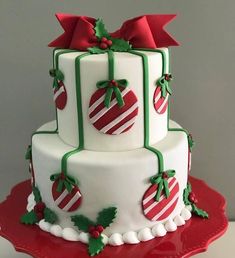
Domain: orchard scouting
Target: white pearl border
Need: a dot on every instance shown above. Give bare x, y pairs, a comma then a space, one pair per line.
116, 239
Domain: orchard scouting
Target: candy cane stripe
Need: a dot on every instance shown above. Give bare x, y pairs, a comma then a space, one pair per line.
61, 197
163, 105
72, 201
166, 207
119, 118
58, 92
124, 126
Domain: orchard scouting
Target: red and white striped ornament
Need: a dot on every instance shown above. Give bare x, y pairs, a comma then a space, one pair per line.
67, 201
113, 120
160, 103
60, 95
31, 170
157, 211
189, 159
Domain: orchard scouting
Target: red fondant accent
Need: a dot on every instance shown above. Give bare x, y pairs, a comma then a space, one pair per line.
95, 234
154, 210
61, 98
142, 32
91, 229
113, 112
99, 228
103, 45
40, 215
159, 104
186, 241
67, 198
164, 175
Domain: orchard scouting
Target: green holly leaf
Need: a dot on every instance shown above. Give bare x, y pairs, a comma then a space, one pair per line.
185, 197
189, 187
96, 245
50, 216
106, 216
29, 218
37, 195
120, 45
82, 222
28, 154
199, 212
100, 30
96, 50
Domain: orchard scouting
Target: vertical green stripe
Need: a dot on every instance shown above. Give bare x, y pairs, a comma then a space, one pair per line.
80, 114
146, 110
111, 64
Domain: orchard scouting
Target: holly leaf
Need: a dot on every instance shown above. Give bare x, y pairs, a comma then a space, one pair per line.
120, 45
96, 50
82, 222
185, 197
100, 30
96, 245
29, 218
106, 216
50, 216
28, 154
199, 212
37, 195
189, 187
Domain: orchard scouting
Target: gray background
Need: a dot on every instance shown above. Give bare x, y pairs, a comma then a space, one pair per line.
203, 68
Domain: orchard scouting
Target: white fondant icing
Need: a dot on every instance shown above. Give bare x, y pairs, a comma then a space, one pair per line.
159, 230
145, 235
170, 226
185, 214
94, 68
116, 239
108, 178
179, 221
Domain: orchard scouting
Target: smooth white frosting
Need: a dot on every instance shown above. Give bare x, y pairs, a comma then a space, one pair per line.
107, 179
116, 239
94, 68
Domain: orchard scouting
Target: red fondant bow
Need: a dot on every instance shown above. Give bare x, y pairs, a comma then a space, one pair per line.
142, 32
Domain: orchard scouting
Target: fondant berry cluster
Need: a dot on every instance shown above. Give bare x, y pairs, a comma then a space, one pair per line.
105, 43
39, 210
113, 83
95, 231
192, 197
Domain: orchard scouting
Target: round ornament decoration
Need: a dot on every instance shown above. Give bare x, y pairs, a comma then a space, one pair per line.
66, 200
59, 89
161, 94
158, 202
113, 108
60, 96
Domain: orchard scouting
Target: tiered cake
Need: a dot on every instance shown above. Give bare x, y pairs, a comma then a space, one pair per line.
112, 168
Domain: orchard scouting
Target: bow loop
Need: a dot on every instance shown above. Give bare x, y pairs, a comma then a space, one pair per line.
113, 86
64, 181
163, 83
58, 77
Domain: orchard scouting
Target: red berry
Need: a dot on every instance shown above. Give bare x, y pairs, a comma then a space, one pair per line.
109, 42
192, 198
103, 45
39, 207
95, 234
104, 40
99, 228
40, 215
91, 229
164, 175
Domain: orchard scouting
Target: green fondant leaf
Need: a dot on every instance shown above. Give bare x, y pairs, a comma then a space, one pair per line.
96, 50
29, 218
185, 197
28, 154
199, 212
100, 30
37, 195
106, 216
189, 187
83, 223
155, 179
120, 45
123, 83
170, 172
50, 216
96, 245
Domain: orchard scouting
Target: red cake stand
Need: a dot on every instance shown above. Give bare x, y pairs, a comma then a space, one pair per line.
190, 239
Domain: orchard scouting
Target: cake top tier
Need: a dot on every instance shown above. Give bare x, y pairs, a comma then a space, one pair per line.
89, 34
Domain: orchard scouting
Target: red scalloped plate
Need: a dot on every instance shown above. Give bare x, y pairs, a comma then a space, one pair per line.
190, 239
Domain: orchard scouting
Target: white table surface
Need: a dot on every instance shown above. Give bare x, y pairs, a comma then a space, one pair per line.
221, 248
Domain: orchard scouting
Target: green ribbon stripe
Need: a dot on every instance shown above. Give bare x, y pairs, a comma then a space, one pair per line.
111, 64
146, 110
80, 115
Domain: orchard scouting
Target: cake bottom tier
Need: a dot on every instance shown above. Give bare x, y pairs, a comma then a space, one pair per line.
115, 179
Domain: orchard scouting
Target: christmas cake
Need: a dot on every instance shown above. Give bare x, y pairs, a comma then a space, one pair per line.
112, 168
